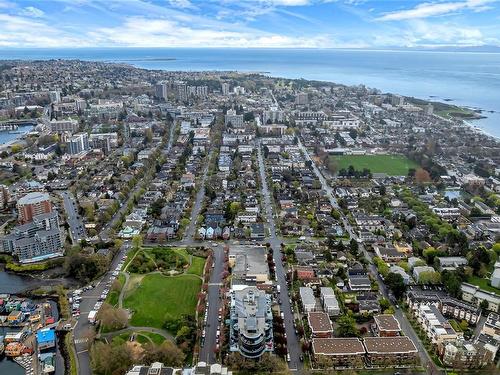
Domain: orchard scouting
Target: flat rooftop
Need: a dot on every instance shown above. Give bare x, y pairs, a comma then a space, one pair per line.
319, 322
387, 322
389, 345
338, 346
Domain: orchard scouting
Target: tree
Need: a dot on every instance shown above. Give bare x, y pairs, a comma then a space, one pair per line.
354, 247
422, 176
346, 327
396, 283
108, 359
111, 318
484, 305
167, 353
137, 242
429, 277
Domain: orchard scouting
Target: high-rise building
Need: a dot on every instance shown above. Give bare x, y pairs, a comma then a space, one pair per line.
36, 240
182, 91
233, 119
302, 98
225, 88
397, 100
55, 96
429, 109
251, 326
4, 196
67, 125
77, 143
272, 116
33, 204
161, 91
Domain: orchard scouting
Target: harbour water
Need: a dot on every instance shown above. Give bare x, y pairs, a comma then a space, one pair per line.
464, 78
8, 136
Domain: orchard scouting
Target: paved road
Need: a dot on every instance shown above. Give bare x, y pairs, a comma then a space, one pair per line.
123, 208
406, 327
131, 329
326, 186
76, 227
200, 196
214, 303
292, 340
89, 299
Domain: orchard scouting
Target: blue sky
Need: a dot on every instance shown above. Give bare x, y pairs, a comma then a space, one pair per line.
249, 23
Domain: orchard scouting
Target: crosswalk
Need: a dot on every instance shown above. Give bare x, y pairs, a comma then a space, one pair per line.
81, 341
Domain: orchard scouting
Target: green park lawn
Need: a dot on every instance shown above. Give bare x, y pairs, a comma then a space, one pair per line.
483, 284
393, 165
197, 263
158, 298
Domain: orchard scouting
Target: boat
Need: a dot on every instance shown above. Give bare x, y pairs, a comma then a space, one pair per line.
13, 349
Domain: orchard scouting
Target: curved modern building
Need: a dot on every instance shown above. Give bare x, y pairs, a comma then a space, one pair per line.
251, 322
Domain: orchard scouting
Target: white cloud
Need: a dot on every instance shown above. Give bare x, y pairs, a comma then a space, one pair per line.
425, 10
184, 4
32, 12
144, 32
18, 31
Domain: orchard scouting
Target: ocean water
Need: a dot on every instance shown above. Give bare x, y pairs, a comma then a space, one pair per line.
462, 78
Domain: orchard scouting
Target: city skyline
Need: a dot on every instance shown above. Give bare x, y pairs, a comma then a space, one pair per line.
249, 23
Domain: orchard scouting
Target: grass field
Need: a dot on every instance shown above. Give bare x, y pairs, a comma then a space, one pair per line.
393, 165
483, 284
158, 298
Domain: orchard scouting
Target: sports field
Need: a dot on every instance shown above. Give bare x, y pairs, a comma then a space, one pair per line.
393, 165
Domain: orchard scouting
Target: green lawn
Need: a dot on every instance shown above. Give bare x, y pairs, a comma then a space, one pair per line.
197, 263
156, 338
158, 298
393, 165
483, 284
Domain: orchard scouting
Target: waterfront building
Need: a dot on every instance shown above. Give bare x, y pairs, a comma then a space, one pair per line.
33, 204
36, 240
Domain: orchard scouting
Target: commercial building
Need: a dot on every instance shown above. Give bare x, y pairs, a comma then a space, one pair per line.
46, 338
249, 265
36, 240
251, 326
320, 324
33, 204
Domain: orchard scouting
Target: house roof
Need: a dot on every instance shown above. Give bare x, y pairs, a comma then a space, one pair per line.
338, 346
389, 345
319, 322
387, 322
